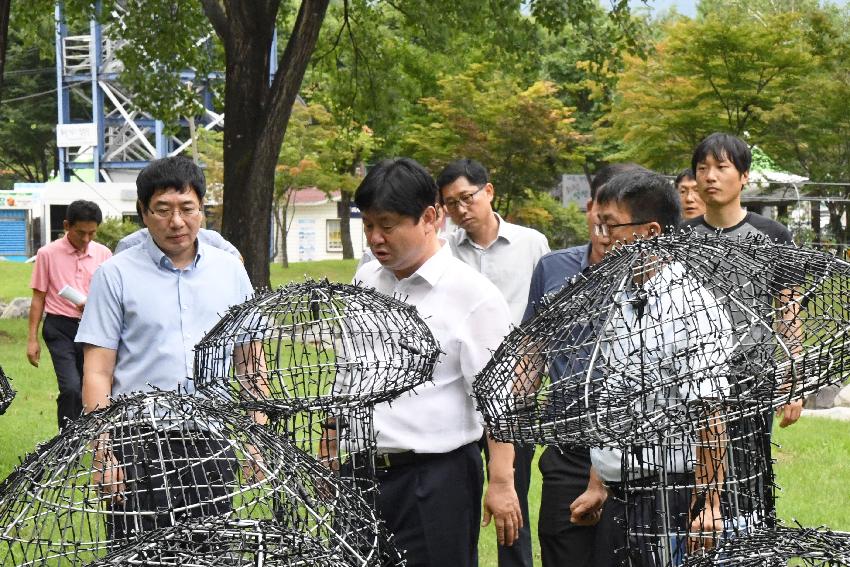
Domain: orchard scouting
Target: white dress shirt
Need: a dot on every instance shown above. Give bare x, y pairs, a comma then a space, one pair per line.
670, 351
468, 317
508, 261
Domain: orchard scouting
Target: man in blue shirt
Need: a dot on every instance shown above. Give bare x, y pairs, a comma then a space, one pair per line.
565, 470
146, 310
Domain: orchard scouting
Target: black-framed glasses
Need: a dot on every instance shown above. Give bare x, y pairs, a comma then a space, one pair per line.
465, 200
605, 229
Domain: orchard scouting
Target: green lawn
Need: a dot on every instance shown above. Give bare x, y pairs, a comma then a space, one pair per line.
813, 461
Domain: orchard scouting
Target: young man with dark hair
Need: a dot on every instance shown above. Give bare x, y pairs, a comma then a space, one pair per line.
429, 469
149, 306
506, 254
722, 165
565, 470
69, 261
639, 205
692, 205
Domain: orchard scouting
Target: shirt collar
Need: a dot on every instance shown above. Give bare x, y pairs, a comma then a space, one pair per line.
160, 259
435, 266
69, 248
585, 258
506, 231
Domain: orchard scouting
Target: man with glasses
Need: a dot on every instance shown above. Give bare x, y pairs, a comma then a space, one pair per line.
565, 470
147, 308
506, 254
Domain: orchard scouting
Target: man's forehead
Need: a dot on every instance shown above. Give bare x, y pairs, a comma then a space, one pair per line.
171, 194
379, 215
718, 158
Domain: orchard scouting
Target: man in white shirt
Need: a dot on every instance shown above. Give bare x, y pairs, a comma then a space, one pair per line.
429, 469
506, 254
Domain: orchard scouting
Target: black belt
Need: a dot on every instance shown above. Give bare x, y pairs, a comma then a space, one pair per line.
384, 461
65, 317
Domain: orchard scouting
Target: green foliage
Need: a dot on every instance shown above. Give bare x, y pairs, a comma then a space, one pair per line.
719, 73
113, 229
27, 138
523, 134
562, 226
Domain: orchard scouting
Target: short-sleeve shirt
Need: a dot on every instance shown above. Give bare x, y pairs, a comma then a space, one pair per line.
508, 261
59, 264
207, 236
682, 331
469, 318
153, 314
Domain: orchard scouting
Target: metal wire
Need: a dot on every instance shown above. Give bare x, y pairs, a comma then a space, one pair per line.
315, 345
154, 460
7, 394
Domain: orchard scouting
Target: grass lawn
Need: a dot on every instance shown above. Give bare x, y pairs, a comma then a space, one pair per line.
813, 462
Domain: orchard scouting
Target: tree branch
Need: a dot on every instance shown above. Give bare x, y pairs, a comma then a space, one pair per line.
217, 17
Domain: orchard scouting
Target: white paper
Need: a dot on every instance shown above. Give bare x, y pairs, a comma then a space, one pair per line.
73, 295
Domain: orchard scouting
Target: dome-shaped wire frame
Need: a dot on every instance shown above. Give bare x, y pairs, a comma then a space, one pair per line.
666, 331
226, 543
7, 394
316, 345
169, 459
779, 546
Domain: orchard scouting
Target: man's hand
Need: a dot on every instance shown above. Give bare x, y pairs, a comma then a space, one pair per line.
586, 510
502, 503
80, 306
108, 477
33, 351
790, 413
706, 528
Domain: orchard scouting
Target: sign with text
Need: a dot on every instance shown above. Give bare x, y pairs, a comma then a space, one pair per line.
76, 135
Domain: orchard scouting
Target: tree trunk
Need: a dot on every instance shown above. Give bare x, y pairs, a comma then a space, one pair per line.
345, 225
256, 115
284, 231
5, 7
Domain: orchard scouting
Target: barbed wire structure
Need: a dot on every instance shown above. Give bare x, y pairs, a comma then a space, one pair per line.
7, 394
668, 359
777, 547
153, 460
666, 331
315, 345
225, 544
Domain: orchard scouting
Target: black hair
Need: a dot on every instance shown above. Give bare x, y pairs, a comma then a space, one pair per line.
474, 172
399, 185
604, 174
83, 211
647, 195
176, 172
724, 146
684, 174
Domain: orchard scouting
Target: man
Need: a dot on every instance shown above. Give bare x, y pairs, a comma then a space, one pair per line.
506, 254
148, 308
207, 236
565, 470
686, 184
69, 261
678, 313
722, 165
429, 470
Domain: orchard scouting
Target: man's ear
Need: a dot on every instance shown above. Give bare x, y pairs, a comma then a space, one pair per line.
589, 206
654, 229
66, 226
745, 177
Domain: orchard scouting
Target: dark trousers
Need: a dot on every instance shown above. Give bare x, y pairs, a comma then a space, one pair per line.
433, 508
519, 554
565, 476
59, 332
178, 476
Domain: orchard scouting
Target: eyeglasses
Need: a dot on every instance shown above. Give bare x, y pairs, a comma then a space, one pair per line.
466, 200
605, 229
168, 213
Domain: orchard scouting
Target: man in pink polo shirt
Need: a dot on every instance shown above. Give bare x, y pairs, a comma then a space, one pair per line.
69, 261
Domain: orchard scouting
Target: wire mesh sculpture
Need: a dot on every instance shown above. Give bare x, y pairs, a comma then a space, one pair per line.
668, 359
666, 331
153, 460
316, 345
777, 547
226, 543
7, 394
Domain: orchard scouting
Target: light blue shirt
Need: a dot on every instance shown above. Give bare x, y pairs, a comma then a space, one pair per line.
153, 314
210, 237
